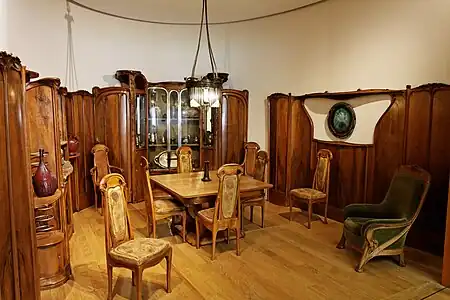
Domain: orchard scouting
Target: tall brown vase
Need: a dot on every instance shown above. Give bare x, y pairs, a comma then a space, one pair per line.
44, 183
73, 144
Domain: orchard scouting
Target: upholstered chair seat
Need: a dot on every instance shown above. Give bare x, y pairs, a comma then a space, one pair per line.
207, 214
307, 193
381, 229
140, 251
319, 191
163, 207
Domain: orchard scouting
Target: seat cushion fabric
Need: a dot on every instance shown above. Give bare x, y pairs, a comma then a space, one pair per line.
139, 251
167, 206
207, 214
307, 193
354, 224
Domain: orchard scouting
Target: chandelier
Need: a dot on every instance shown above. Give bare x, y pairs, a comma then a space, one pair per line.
205, 91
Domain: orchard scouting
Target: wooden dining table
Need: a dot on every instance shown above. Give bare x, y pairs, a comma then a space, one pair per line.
195, 194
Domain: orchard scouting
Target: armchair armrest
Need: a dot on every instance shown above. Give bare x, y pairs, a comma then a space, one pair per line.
93, 172
117, 169
384, 232
380, 224
376, 211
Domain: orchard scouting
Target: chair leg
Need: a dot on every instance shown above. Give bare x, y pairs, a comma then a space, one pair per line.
242, 216
133, 279
341, 244
138, 275
251, 214
290, 208
197, 232
262, 216
325, 220
309, 214
184, 226
110, 279
214, 237
401, 260
169, 271
364, 259
228, 235
238, 239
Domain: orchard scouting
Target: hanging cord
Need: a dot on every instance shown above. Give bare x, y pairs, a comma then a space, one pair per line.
71, 81
211, 54
199, 41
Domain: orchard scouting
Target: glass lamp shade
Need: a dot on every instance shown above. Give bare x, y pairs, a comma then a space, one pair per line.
204, 91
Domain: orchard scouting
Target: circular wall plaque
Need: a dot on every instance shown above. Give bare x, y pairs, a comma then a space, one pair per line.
341, 120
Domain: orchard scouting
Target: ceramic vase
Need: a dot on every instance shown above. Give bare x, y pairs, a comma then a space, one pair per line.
44, 183
73, 144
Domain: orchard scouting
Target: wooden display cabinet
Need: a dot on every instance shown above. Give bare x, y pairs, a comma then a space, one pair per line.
154, 119
19, 271
53, 227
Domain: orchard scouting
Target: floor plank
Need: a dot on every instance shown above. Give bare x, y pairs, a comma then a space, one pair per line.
281, 261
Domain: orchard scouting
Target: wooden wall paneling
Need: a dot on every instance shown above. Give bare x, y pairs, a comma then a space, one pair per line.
113, 128
279, 108
80, 113
300, 146
388, 146
19, 271
234, 108
445, 280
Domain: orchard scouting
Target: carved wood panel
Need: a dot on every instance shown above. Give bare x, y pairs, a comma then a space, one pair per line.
19, 273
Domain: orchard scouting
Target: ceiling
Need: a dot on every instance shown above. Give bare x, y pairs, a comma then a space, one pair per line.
189, 11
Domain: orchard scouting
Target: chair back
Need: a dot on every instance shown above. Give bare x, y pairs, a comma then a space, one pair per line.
322, 173
228, 198
184, 159
262, 159
250, 151
101, 162
117, 221
148, 192
407, 192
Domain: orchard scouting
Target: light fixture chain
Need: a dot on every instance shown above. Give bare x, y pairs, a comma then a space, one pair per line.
199, 41
211, 54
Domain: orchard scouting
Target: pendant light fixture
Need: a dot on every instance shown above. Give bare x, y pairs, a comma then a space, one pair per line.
207, 90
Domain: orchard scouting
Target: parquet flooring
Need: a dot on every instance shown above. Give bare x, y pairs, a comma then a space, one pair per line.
281, 261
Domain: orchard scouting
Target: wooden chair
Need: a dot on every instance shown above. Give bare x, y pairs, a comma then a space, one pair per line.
381, 229
251, 150
319, 191
184, 159
101, 168
122, 250
226, 213
257, 198
160, 209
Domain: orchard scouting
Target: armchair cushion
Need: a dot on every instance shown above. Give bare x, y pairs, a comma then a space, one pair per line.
307, 193
207, 214
139, 251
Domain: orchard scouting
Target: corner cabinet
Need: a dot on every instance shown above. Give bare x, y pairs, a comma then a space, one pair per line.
154, 119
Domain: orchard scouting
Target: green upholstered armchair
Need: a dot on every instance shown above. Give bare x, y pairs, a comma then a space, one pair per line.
381, 229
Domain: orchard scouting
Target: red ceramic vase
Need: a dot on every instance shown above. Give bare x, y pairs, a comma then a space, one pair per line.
44, 183
73, 144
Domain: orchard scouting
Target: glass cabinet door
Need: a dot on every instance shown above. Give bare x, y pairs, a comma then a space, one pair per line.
209, 116
190, 127
140, 121
157, 128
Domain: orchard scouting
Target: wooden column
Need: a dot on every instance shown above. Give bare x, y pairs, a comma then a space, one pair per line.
446, 259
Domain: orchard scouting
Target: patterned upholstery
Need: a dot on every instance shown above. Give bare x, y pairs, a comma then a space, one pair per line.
101, 161
207, 214
184, 163
167, 206
229, 195
320, 176
139, 251
117, 213
307, 193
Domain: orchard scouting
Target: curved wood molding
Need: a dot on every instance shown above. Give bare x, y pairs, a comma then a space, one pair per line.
48, 81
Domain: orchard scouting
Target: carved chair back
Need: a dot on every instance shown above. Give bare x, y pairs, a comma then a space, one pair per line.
228, 198
250, 149
322, 173
101, 162
262, 159
148, 194
407, 192
184, 159
117, 220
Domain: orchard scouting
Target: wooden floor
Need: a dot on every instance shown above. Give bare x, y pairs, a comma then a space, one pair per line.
282, 261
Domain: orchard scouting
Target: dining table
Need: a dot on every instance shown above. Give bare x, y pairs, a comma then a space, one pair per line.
195, 194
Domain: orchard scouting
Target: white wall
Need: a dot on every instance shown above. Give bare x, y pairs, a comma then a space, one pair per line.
3, 26
338, 45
